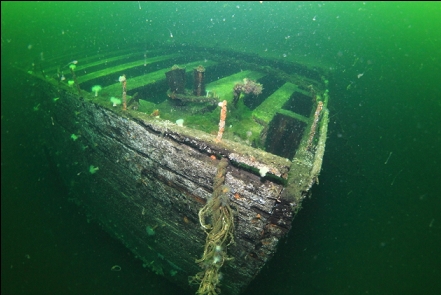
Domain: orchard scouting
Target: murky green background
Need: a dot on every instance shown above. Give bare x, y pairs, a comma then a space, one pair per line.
373, 225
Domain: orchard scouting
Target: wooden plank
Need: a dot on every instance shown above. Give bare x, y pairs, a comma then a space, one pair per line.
119, 68
104, 60
294, 115
266, 111
84, 63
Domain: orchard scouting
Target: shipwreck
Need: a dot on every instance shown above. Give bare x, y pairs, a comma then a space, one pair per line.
196, 159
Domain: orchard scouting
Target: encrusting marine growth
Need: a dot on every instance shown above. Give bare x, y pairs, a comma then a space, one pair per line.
217, 220
248, 86
223, 116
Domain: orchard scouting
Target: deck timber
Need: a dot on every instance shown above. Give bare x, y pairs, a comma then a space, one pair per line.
154, 176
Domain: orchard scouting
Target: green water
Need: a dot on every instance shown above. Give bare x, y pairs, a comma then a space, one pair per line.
373, 225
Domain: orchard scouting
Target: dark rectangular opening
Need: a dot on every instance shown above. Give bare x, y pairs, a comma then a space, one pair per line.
284, 136
299, 103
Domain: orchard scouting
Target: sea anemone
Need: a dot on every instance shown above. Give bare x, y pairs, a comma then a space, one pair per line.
93, 169
216, 259
150, 230
115, 101
180, 122
96, 89
263, 171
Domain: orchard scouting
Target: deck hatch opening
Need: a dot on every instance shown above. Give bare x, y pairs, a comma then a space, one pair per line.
299, 103
284, 136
